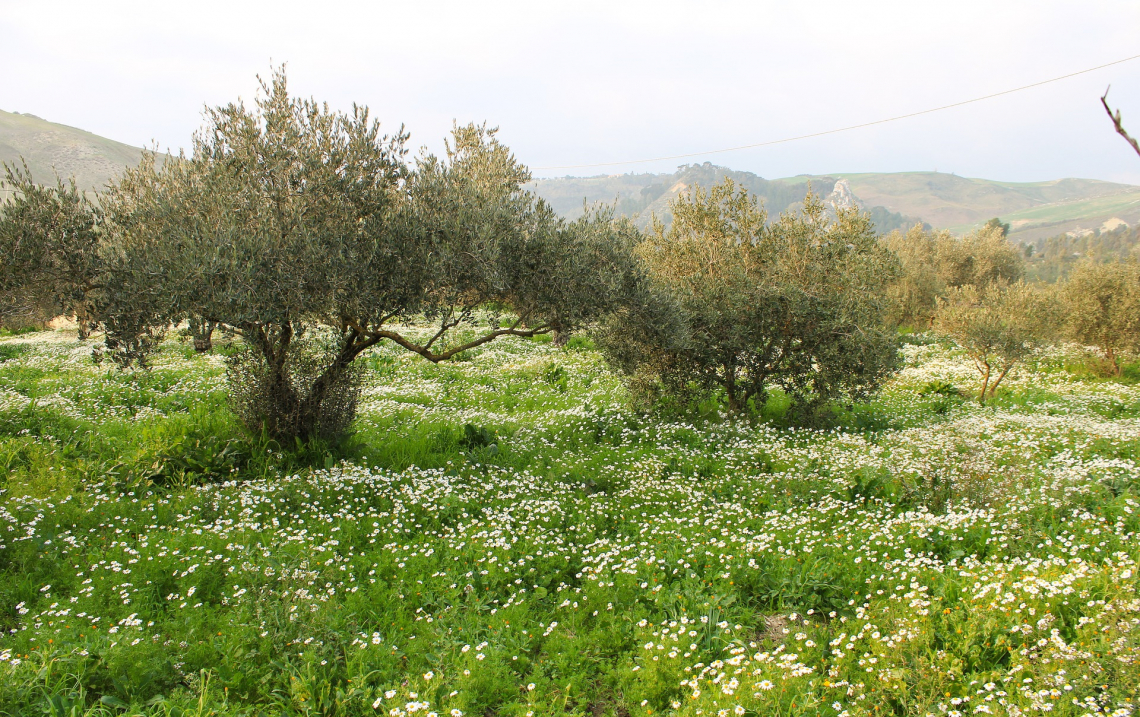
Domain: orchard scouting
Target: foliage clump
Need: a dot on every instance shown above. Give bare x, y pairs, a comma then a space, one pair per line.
733, 304
49, 252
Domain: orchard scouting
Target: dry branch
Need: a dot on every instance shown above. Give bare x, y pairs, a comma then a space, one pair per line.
1115, 117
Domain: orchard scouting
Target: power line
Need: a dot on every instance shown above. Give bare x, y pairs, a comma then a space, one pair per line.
841, 129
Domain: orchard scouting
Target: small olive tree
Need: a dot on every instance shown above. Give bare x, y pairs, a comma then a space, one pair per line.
998, 325
734, 304
1102, 303
309, 234
49, 249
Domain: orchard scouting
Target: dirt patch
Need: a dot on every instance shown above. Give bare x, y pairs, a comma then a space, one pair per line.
775, 628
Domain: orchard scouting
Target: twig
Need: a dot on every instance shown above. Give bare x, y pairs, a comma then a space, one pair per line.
1116, 122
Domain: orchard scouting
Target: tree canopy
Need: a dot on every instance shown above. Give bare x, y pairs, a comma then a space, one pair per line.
1103, 307
933, 262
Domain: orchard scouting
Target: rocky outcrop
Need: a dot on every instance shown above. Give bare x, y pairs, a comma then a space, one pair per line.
842, 197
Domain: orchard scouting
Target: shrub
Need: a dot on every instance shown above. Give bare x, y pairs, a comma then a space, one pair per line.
939, 388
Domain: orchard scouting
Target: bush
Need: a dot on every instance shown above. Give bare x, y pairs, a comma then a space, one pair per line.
939, 388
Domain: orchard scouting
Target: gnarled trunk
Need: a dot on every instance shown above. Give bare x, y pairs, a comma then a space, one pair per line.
202, 332
295, 390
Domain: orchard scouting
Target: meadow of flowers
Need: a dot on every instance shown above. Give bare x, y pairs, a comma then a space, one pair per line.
504, 535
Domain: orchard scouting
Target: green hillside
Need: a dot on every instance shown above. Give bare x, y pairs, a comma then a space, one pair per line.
1034, 210
51, 149
1098, 214
645, 195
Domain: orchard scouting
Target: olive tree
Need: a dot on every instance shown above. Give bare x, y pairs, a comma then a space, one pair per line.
982, 257
1102, 302
914, 292
311, 235
935, 261
997, 325
49, 249
732, 303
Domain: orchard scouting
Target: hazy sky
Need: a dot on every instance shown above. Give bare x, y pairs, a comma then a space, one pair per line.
582, 82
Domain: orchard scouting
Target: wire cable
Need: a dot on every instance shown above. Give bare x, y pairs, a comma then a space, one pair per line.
840, 129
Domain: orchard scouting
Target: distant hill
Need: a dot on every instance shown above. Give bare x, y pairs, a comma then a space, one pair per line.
644, 195
51, 148
1035, 210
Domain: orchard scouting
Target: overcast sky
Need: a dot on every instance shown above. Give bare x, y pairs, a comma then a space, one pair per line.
586, 82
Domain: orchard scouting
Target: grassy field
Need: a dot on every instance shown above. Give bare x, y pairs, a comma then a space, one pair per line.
503, 535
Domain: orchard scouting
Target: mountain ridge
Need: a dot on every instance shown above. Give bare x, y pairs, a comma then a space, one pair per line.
645, 195
895, 200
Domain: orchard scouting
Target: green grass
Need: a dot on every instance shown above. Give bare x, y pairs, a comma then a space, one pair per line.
503, 535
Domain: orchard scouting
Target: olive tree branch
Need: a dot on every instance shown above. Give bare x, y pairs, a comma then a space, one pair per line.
444, 355
1115, 117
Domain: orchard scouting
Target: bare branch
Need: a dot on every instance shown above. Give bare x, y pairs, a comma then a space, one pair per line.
444, 326
444, 355
1115, 117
